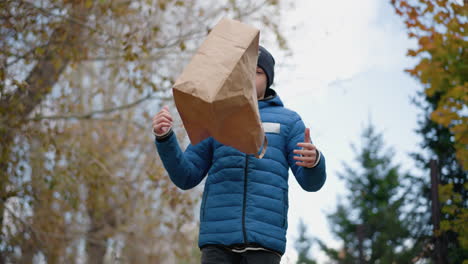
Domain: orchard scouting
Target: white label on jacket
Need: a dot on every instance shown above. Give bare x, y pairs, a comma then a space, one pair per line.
272, 127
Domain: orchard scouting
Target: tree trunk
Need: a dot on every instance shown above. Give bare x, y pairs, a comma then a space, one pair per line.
96, 250
96, 242
5, 147
440, 247
16, 106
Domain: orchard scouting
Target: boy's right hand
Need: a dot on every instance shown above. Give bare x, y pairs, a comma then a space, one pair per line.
162, 122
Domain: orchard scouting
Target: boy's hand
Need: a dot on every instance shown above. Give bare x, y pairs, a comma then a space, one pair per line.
308, 154
162, 122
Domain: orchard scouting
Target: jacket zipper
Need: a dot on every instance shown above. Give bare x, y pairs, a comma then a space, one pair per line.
245, 198
205, 195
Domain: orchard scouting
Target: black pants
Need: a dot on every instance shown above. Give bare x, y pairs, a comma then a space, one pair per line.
218, 255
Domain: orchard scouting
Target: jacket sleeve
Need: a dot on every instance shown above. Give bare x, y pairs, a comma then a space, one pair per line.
186, 169
310, 179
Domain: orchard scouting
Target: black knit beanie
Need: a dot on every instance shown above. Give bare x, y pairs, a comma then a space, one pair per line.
267, 63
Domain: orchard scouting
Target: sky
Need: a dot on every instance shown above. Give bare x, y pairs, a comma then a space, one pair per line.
346, 71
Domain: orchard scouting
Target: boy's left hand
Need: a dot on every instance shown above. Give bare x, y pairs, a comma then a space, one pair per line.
308, 154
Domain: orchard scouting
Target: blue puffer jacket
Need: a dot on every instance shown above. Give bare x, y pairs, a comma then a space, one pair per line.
245, 200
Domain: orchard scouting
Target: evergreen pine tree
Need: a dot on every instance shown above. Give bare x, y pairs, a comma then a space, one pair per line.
371, 223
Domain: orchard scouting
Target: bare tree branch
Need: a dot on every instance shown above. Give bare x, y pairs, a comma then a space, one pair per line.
35, 231
48, 68
70, 18
89, 115
25, 225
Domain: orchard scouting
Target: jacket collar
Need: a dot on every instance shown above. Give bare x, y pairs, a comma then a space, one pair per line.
271, 99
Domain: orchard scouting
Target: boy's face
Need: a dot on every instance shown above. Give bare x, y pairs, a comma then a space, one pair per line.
260, 83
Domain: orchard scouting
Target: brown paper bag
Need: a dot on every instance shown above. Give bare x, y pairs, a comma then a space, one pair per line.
216, 96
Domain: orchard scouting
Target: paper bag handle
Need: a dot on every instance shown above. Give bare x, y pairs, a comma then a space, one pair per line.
265, 145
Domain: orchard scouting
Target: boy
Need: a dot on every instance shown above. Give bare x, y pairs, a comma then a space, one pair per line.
243, 215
